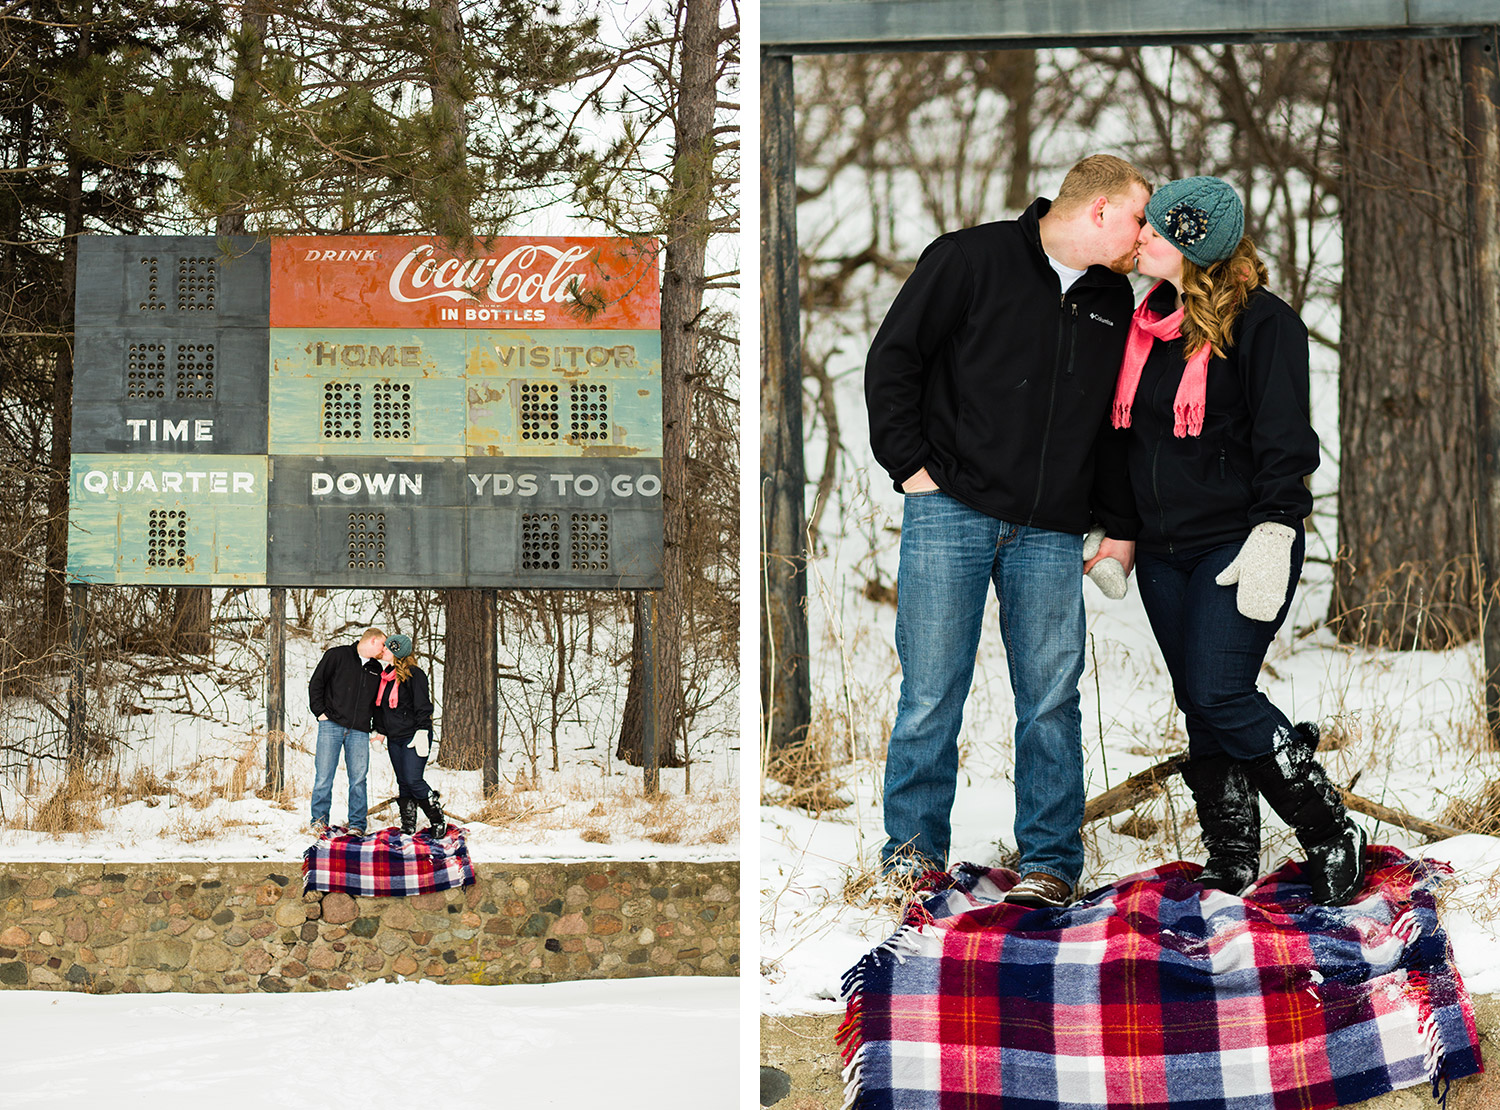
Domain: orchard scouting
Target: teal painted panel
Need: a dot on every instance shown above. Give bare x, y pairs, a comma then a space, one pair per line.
573, 394
367, 391
168, 519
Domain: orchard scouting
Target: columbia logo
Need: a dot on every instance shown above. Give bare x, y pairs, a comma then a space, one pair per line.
1101, 319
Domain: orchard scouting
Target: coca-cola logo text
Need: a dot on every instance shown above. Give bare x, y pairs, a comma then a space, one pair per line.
531, 273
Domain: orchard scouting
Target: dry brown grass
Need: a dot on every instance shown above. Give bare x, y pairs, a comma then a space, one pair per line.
1477, 814
808, 769
190, 831
73, 807
868, 888
596, 835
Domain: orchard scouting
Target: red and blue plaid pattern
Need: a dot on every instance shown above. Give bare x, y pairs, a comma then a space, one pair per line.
387, 863
1155, 994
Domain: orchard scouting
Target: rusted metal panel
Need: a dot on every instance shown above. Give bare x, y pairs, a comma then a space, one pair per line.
151, 389
565, 523
370, 521
158, 519
386, 432
367, 391
173, 281
419, 282
562, 393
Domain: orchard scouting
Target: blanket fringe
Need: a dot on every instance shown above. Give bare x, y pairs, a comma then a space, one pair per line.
854, 1080
850, 1036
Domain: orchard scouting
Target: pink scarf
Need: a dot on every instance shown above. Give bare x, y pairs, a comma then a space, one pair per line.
388, 676
1146, 327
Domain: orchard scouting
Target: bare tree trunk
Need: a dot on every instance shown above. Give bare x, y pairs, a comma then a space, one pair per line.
62, 394
681, 304
469, 663
192, 606
468, 679
1019, 86
1407, 471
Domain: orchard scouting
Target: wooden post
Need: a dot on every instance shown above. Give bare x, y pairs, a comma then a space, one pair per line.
489, 692
1479, 61
78, 617
650, 718
276, 692
786, 694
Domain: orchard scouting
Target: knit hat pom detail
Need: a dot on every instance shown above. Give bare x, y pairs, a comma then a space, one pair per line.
1201, 216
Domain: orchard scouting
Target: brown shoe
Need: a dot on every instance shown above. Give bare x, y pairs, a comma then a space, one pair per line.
1040, 889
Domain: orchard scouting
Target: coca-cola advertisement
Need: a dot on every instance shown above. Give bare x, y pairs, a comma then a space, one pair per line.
413, 281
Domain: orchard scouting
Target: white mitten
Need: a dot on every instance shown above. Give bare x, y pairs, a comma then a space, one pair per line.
1262, 568
1107, 574
421, 743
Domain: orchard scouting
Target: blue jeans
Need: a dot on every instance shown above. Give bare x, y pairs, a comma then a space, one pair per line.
334, 738
950, 554
1214, 652
408, 766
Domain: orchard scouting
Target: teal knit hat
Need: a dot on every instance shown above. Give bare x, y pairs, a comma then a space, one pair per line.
1200, 216
400, 645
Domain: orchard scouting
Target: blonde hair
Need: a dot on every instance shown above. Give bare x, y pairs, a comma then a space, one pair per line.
369, 634
1214, 296
1098, 175
404, 665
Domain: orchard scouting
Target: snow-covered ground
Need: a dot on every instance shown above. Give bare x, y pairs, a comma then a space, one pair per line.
1411, 732
600, 1043
183, 779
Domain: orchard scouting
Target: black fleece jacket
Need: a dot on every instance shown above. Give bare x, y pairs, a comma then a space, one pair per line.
343, 687
412, 712
1257, 444
1000, 384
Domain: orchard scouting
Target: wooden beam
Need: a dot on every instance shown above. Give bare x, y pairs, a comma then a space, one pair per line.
786, 692
1479, 71
840, 26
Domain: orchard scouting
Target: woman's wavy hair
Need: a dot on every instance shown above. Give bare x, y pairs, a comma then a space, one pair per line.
1214, 296
403, 666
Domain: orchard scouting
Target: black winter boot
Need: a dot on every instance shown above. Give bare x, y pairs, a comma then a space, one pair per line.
1298, 789
408, 808
432, 806
1229, 814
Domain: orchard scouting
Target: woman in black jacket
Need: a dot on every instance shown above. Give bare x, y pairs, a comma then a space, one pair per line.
1212, 403
403, 714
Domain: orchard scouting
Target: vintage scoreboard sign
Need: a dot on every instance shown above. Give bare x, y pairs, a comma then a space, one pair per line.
366, 411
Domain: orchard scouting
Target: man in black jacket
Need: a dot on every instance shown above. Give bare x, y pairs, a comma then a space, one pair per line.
341, 695
988, 387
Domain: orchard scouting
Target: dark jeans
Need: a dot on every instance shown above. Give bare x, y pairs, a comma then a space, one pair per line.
408, 766
1213, 652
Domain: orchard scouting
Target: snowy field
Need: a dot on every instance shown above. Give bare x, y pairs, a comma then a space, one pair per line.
598, 1043
185, 779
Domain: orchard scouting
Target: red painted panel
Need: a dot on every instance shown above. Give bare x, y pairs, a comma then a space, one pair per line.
392, 281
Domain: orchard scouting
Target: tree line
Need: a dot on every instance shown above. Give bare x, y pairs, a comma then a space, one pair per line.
456, 118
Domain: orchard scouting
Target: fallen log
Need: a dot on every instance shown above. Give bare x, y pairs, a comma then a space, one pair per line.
1148, 783
1133, 791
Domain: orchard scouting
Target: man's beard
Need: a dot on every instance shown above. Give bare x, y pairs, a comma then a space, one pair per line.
1125, 263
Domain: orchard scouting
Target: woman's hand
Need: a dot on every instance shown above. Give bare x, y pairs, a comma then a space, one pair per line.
1262, 570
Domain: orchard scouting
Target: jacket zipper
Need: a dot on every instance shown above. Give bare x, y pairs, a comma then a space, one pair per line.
1072, 338
1041, 468
1222, 465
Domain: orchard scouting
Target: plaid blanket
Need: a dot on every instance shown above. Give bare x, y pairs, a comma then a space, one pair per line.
387, 863
1155, 994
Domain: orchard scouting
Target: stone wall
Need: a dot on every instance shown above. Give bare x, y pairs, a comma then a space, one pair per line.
234, 927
